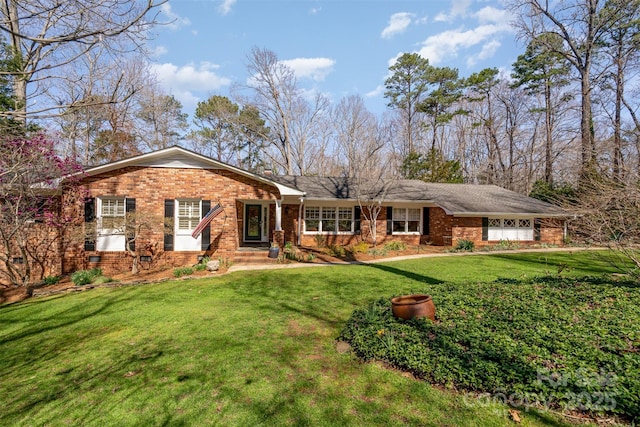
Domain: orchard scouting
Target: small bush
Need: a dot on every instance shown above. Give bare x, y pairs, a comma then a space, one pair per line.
337, 251
182, 271
360, 248
507, 245
102, 279
395, 246
320, 240
84, 277
378, 251
464, 245
51, 280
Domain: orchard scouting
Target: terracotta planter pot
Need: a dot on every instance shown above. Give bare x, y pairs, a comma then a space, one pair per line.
416, 305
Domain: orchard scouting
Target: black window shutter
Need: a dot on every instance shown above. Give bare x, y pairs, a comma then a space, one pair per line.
485, 229
425, 221
89, 216
389, 220
536, 229
357, 215
206, 233
130, 207
168, 213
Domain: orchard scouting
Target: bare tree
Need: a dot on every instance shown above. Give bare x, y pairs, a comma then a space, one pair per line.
359, 137
48, 35
608, 212
291, 119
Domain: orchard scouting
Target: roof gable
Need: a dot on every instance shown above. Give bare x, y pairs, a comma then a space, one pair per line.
178, 157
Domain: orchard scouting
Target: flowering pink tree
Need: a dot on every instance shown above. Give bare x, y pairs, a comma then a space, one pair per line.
32, 222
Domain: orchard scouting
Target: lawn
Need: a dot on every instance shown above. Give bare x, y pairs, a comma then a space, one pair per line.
247, 348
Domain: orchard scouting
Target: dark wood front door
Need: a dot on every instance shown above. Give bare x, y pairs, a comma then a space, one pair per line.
253, 222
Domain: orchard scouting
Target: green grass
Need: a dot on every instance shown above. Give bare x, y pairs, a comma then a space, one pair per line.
248, 348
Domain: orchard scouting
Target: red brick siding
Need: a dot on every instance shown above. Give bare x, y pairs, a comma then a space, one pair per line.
150, 187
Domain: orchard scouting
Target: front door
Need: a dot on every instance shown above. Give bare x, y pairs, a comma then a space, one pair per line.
253, 223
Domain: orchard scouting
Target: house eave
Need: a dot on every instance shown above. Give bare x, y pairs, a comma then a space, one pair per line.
507, 214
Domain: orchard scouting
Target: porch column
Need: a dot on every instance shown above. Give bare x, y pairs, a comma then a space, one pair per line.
278, 215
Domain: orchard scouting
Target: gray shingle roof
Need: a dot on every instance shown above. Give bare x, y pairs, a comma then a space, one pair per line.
455, 199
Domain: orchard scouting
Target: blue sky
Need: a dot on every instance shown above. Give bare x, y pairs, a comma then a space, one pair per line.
339, 48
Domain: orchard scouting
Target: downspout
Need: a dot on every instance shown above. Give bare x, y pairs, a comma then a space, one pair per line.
299, 242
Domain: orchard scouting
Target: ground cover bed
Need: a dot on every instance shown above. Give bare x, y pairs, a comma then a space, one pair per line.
565, 344
247, 348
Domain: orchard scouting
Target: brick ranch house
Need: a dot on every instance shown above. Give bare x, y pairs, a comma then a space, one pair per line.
257, 210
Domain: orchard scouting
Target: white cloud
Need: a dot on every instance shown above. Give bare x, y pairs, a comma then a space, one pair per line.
488, 51
446, 45
315, 10
175, 21
490, 14
379, 90
459, 8
226, 6
159, 51
398, 23
314, 68
183, 82
441, 17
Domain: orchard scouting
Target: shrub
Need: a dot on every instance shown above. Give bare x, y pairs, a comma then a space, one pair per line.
531, 341
464, 245
378, 251
395, 246
360, 248
337, 251
182, 271
84, 277
51, 280
102, 279
202, 265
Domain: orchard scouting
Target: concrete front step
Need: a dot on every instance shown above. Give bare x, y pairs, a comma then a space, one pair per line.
253, 256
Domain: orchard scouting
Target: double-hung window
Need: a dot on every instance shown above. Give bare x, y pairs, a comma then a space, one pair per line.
188, 215
406, 220
328, 219
112, 211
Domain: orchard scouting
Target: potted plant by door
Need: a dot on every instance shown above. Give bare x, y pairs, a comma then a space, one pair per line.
414, 305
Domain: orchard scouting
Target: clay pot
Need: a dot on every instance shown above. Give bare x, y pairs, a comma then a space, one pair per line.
416, 305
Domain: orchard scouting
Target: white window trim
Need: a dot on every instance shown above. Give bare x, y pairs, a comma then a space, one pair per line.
406, 221
336, 220
109, 239
182, 239
182, 232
